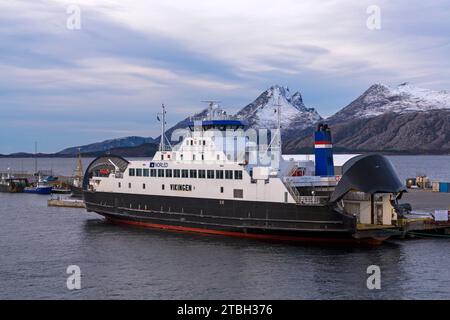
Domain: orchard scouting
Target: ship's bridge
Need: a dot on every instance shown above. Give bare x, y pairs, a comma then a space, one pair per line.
216, 119
208, 139
221, 125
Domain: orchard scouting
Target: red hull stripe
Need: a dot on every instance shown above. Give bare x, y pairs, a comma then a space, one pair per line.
338, 241
322, 142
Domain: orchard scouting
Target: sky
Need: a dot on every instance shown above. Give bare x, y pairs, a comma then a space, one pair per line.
76, 72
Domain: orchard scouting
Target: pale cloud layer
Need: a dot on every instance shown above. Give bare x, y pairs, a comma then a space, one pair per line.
66, 87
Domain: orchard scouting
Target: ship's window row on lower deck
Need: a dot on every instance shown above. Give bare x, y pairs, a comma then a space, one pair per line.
186, 173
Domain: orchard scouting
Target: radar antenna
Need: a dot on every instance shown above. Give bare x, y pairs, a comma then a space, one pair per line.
212, 105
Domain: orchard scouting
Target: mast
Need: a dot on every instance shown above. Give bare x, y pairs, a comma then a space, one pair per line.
275, 143
162, 142
278, 138
279, 123
35, 157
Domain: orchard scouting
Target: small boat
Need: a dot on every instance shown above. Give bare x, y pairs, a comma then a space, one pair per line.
61, 190
13, 185
40, 188
50, 179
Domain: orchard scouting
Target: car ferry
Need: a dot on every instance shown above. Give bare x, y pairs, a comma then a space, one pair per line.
201, 185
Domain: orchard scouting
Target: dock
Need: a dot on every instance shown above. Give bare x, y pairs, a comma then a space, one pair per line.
426, 200
424, 204
66, 203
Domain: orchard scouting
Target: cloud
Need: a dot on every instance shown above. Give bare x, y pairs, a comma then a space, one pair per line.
130, 56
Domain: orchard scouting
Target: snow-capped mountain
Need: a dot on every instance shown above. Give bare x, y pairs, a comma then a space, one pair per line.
381, 99
261, 113
403, 119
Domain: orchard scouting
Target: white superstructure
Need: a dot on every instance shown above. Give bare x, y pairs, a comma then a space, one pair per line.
215, 160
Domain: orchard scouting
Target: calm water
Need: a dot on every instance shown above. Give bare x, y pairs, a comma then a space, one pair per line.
37, 244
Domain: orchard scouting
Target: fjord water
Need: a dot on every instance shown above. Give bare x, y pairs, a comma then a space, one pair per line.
38, 243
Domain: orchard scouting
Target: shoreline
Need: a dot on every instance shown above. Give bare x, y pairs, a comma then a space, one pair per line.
93, 155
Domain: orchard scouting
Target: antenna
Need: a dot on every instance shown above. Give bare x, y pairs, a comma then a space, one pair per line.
276, 140
35, 157
211, 104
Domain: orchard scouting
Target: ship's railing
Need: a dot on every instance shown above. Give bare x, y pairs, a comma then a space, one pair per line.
310, 181
360, 196
312, 200
165, 148
217, 116
292, 190
302, 200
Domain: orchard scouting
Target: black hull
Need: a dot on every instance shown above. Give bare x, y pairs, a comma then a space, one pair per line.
76, 192
261, 220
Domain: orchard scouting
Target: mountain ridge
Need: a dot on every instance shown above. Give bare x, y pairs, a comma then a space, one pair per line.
383, 118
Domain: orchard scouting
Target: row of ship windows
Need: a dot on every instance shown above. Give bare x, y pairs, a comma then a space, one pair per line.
185, 173
237, 193
192, 142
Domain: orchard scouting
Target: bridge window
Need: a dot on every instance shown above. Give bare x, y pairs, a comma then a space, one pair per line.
120, 185
228, 174
139, 172
221, 189
193, 173
202, 174
143, 186
210, 174
169, 173
146, 172
238, 174
176, 173
152, 172
131, 172
219, 174
184, 173
193, 157
161, 173
129, 185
